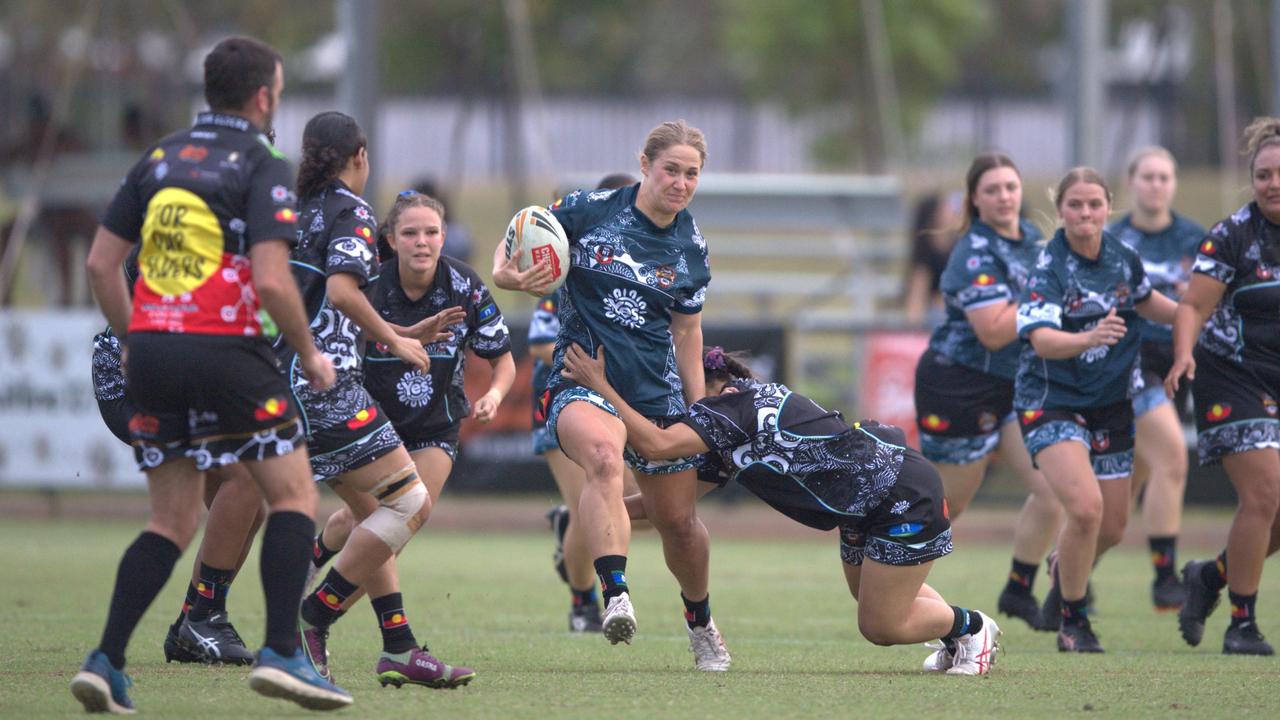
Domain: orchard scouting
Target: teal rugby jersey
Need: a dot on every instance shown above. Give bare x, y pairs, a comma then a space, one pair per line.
1072, 293
985, 268
1166, 256
626, 277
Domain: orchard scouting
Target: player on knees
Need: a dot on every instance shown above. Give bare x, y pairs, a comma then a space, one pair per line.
637, 282
355, 449
805, 462
1234, 372
1075, 386
235, 514
203, 384
964, 380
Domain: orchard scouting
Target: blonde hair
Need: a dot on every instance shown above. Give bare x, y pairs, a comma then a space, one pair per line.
669, 134
1145, 152
1077, 176
1262, 132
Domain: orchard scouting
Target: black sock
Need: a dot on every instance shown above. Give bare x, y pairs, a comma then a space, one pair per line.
1214, 574
612, 571
1075, 611
1242, 612
321, 554
397, 636
144, 569
322, 607
966, 622
583, 598
187, 602
286, 542
1164, 555
697, 614
211, 593
1022, 576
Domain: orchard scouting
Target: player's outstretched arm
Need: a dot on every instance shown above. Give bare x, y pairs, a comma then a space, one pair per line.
649, 440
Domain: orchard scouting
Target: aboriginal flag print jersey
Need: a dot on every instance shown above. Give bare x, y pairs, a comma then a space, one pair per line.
800, 458
423, 407
336, 234
196, 202
1070, 292
985, 268
626, 277
1243, 252
1166, 256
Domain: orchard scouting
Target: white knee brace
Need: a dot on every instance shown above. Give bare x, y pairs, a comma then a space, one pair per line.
400, 496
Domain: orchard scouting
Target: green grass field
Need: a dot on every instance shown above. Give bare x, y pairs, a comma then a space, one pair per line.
491, 601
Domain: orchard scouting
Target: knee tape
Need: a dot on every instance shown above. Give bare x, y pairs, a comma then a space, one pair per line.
400, 496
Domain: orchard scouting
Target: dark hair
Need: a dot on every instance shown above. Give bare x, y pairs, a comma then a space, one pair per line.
404, 201
1262, 132
979, 167
720, 366
1077, 176
1149, 151
613, 181
328, 142
235, 69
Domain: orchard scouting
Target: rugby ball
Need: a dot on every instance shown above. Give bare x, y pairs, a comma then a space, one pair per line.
541, 239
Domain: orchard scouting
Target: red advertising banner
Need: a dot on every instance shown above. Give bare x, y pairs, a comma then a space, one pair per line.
887, 390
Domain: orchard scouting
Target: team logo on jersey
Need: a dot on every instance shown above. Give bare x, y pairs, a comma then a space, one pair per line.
361, 213
1269, 404
193, 153
1208, 247
973, 263
271, 409
1122, 291
936, 423
604, 254
286, 215
1030, 416
392, 619
141, 424
279, 193
1218, 412
665, 275
364, 417
983, 280
987, 420
1100, 441
626, 308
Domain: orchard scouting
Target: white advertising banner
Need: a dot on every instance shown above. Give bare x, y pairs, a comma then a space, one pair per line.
50, 431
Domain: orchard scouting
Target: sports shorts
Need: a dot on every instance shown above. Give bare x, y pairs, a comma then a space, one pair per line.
108, 385
215, 399
959, 410
1156, 359
346, 429
1235, 406
1106, 431
911, 526
558, 398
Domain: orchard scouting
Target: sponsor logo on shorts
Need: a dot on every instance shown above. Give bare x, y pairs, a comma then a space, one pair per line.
392, 619
193, 153
1269, 404
987, 421
936, 423
1100, 441
271, 409
286, 215
330, 598
905, 529
1208, 247
364, 417
1030, 416
144, 424
205, 589
1218, 412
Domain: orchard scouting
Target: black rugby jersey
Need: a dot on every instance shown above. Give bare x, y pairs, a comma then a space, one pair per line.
422, 406
196, 201
336, 234
1243, 252
797, 456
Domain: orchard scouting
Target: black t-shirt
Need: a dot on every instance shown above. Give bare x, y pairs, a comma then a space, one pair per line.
196, 202
797, 456
423, 407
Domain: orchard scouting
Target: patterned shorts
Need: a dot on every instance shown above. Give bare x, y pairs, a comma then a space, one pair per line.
959, 410
1107, 432
1156, 360
909, 527
346, 429
217, 400
450, 447
566, 394
542, 441
1235, 407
